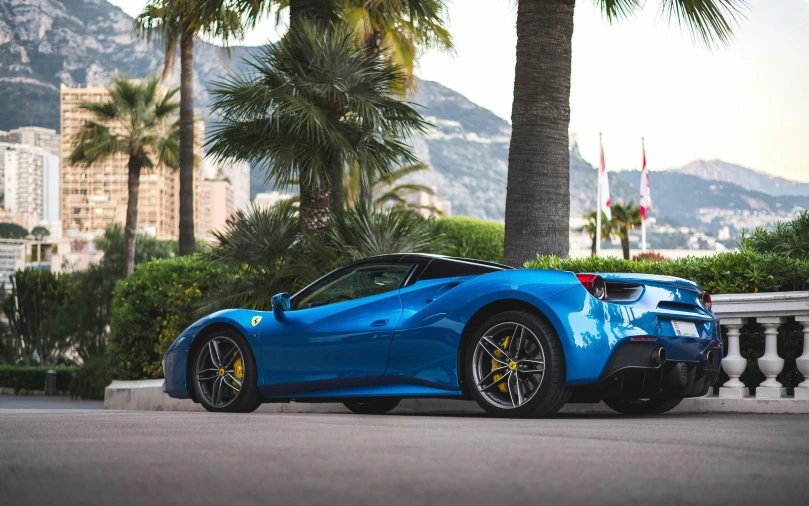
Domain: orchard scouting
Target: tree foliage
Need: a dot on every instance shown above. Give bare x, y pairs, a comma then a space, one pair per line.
33, 309
310, 105
790, 239
12, 231
40, 233
625, 217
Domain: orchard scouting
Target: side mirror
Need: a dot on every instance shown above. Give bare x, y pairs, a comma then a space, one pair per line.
280, 303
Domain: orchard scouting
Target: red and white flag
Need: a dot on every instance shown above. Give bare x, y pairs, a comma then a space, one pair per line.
645, 187
604, 185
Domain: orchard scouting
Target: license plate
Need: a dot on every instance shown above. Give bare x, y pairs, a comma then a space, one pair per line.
686, 329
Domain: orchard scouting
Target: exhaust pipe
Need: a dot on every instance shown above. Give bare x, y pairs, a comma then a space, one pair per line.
709, 358
659, 356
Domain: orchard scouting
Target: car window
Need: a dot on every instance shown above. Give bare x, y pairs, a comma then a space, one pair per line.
361, 281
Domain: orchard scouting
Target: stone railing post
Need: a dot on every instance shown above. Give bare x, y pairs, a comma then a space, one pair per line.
770, 363
734, 363
802, 390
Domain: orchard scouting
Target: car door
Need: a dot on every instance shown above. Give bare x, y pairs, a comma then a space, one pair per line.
338, 331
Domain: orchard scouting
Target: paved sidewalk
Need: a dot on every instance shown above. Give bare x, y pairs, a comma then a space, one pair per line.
46, 402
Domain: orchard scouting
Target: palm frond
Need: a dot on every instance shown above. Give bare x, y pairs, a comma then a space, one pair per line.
710, 21
311, 99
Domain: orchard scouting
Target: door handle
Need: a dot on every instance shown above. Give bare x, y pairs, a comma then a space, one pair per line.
379, 323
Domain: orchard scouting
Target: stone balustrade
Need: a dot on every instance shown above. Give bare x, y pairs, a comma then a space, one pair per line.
771, 311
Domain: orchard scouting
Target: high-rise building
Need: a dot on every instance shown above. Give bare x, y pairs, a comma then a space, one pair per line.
215, 207
21, 169
95, 196
44, 138
238, 173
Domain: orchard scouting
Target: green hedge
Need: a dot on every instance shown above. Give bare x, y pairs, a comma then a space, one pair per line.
736, 272
90, 381
151, 307
472, 238
33, 377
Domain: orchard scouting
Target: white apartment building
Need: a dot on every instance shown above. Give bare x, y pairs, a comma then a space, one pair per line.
23, 170
44, 138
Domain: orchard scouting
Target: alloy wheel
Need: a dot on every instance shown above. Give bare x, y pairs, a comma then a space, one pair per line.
219, 372
508, 365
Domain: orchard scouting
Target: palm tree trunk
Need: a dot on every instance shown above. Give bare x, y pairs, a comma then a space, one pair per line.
538, 190
625, 241
315, 201
186, 144
314, 208
593, 247
311, 9
336, 202
131, 228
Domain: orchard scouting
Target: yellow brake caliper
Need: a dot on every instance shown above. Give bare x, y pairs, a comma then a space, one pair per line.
502, 386
238, 372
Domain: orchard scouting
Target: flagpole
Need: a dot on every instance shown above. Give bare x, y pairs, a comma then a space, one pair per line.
598, 201
643, 221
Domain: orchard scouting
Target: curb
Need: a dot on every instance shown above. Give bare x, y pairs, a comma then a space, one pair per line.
148, 395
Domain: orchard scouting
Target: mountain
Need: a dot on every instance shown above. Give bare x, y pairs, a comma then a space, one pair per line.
750, 179
44, 43
712, 205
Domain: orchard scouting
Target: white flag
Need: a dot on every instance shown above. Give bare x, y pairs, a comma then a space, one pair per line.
604, 185
645, 188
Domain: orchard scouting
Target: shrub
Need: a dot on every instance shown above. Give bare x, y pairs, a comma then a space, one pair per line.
33, 377
472, 238
735, 272
89, 381
649, 256
151, 307
790, 239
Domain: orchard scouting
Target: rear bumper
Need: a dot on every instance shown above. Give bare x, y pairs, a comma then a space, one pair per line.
639, 370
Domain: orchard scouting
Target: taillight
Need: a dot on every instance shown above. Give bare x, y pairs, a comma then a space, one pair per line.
705, 297
594, 284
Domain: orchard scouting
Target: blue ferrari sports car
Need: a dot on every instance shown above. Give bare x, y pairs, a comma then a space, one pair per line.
517, 341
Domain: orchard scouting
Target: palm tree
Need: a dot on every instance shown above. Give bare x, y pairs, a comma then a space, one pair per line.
388, 190
537, 221
590, 227
406, 27
182, 21
311, 105
625, 218
136, 121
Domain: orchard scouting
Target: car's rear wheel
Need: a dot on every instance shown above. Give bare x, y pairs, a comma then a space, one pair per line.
654, 406
515, 366
224, 373
377, 406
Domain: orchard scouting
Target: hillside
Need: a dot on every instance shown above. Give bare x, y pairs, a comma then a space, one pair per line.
750, 179
44, 43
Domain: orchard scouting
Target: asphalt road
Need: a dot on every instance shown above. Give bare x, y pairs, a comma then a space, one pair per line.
121, 458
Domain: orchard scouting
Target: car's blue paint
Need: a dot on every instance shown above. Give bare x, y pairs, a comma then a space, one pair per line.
336, 345
407, 342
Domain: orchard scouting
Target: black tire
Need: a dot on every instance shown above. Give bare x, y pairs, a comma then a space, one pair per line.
248, 397
376, 406
552, 391
654, 406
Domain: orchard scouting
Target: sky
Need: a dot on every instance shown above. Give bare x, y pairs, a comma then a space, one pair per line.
747, 103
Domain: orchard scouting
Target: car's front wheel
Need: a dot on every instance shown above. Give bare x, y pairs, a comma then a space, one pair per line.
224, 373
377, 406
654, 406
515, 366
